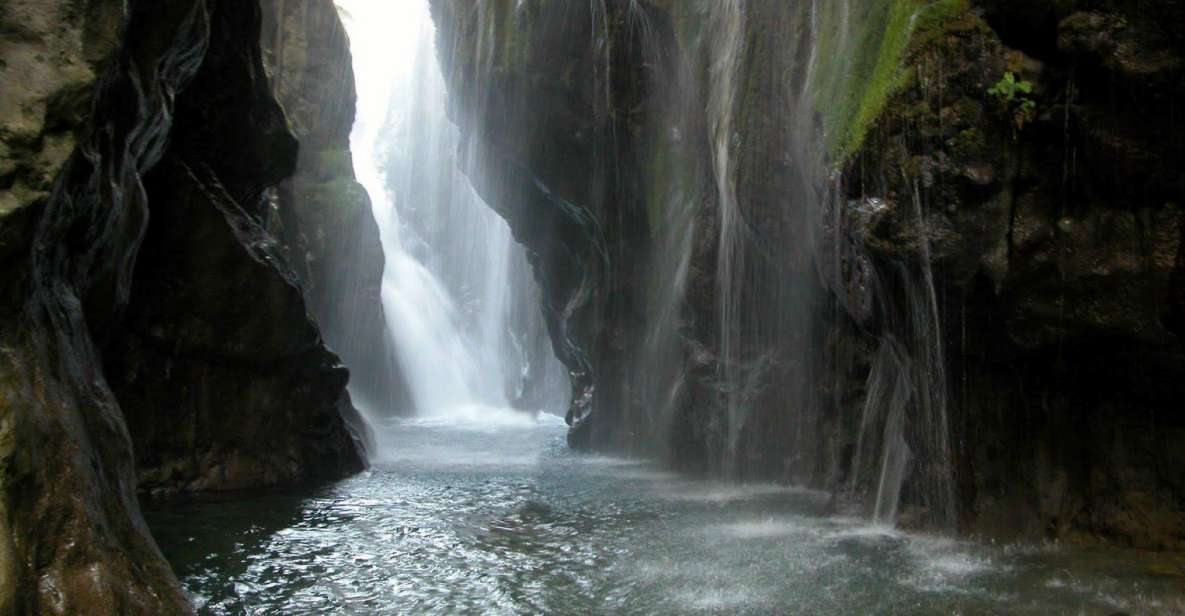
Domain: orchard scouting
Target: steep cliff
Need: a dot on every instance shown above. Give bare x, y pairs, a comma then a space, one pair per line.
545, 149
926, 255
321, 213
216, 329
1048, 159
150, 331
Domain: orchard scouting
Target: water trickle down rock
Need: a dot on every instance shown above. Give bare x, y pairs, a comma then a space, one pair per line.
1037, 260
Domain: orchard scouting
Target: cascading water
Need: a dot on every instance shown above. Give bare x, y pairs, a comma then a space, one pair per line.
732, 364
463, 305
767, 313
727, 19
459, 300
904, 430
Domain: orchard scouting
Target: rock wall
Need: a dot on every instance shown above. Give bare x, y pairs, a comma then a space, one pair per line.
149, 328
1054, 216
817, 242
322, 214
217, 330
551, 146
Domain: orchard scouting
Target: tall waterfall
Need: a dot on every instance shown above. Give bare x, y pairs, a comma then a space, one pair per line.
460, 302
725, 166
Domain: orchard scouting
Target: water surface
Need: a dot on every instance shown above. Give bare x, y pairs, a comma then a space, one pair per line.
501, 518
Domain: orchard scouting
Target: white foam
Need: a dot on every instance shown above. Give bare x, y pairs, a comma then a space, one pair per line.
477, 417
866, 531
767, 528
715, 598
720, 493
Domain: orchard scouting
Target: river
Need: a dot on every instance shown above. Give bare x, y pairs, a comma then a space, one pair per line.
493, 514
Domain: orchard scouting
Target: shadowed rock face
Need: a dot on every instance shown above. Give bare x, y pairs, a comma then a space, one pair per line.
247, 395
538, 150
149, 328
1056, 242
1052, 237
322, 214
215, 305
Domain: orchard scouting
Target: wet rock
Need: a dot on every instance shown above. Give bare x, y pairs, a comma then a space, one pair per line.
1023, 247
74, 540
980, 174
322, 214
1133, 47
217, 329
532, 118
149, 124
221, 376
1059, 268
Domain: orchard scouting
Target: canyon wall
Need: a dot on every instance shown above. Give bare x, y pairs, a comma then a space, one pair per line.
152, 333
322, 214
926, 255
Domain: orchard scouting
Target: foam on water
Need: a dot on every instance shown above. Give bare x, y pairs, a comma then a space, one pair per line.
481, 417
462, 308
760, 529
723, 492
507, 520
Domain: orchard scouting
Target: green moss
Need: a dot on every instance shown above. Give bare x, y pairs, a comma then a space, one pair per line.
325, 165
341, 195
513, 31
861, 62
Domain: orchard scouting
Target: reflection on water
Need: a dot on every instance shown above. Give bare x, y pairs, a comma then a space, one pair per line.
501, 518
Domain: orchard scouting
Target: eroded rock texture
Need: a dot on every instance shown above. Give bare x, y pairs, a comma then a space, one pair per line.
322, 213
149, 328
1055, 232
551, 146
802, 245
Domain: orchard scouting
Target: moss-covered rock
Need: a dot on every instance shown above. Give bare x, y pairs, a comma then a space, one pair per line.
1054, 241
1019, 155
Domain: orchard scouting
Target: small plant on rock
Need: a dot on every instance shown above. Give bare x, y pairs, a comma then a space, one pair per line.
1015, 94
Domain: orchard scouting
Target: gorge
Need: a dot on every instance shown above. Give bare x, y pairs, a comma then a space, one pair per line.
592, 306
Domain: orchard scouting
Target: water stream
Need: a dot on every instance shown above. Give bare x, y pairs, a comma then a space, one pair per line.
459, 298
500, 517
474, 506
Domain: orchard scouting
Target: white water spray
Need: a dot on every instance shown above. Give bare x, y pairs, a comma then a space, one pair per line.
454, 278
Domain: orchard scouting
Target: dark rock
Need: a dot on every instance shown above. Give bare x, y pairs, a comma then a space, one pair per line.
1013, 262
217, 330
322, 215
1056, 275
217, 334
195, 360
73, 537
530, 129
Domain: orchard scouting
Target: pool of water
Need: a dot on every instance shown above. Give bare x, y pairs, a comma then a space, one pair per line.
463, 517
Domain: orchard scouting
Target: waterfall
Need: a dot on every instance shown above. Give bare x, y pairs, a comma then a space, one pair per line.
727, 20
743, 153
459, 299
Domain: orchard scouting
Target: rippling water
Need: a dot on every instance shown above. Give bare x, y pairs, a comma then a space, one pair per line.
469, 518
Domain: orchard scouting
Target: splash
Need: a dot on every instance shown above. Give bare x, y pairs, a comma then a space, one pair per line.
460, 302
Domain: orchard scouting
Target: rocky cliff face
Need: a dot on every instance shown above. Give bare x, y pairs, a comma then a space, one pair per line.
217, 330
552, 151
1054, 218
150, 329
925, 255
322, 214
